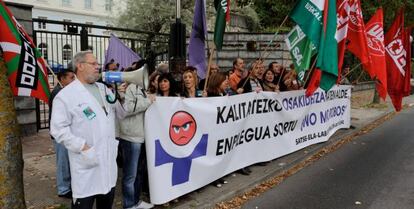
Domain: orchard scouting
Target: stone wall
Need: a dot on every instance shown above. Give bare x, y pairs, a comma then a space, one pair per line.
25, 106
250, 46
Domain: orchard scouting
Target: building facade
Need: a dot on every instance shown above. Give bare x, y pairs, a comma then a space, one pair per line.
59, 48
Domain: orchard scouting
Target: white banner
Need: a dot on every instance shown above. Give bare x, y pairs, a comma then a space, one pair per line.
192, 142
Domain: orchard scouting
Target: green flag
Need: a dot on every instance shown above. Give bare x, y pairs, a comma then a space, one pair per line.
308, 15
317, 19
301, 49
328, 47
222, 8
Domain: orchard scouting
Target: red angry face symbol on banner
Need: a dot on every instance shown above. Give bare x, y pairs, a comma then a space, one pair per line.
182, 128
375, 37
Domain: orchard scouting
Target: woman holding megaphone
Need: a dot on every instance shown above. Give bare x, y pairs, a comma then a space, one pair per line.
131, 135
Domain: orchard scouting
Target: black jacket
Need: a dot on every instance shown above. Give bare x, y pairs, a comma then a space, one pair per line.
248, 87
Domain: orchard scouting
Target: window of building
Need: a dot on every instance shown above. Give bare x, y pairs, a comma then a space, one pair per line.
41, 25
67, 52
43, 49
88, 4
65, 27
66, 2
108, 5
89, 28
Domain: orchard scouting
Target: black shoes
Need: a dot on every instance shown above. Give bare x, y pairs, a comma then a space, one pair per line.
245, 171
263, 163
67, 195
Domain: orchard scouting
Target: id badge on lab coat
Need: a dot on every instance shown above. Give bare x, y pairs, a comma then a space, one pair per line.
89, 113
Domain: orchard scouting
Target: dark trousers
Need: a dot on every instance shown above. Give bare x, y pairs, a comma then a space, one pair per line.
103, 201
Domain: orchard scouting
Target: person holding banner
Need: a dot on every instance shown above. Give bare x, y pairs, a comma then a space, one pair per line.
237, 75
252, 82
166, 85
290, 80
213, 69
190, 81
278, 69
83, 120
217, 85
268, 81
261, 69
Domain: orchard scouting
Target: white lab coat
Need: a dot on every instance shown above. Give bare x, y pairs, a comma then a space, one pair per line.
78, 119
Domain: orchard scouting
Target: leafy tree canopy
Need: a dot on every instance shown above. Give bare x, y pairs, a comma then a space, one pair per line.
157, 15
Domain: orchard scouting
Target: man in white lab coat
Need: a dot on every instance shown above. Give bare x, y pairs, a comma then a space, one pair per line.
83, 120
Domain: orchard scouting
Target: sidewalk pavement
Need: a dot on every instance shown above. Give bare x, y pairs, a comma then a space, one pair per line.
40, 176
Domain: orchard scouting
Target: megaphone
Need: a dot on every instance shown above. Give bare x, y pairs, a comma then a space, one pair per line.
138, 77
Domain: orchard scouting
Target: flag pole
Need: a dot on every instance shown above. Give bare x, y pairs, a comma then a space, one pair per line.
248, 76
354, 68
271, 41
53, 73
310, 71
261, 58
281, 75
359, 77
210, 59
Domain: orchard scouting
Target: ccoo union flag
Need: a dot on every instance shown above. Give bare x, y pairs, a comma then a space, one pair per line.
26, 69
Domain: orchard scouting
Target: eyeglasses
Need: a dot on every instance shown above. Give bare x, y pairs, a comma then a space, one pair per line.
92, 63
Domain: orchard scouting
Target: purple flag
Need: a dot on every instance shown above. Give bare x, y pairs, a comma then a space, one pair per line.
120, 53
196, 48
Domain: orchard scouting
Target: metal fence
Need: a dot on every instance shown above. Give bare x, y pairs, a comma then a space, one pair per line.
58, 42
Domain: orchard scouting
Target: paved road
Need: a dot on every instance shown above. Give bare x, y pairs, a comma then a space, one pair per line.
375, 171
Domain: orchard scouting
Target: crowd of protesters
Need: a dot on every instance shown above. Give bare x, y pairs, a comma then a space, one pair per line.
237, 80
69, 128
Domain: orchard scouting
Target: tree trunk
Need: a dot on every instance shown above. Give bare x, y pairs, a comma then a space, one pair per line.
11, 161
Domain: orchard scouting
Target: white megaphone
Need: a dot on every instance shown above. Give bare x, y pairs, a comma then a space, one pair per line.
138, 77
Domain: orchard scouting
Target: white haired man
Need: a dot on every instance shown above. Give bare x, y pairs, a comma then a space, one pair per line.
83, 120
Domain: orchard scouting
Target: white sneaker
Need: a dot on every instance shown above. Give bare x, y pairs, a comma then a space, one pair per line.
144, 205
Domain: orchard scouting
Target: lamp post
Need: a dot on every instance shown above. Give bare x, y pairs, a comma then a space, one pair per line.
177, 45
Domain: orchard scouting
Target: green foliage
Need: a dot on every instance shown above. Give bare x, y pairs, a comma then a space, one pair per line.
152, 15
157, 15
250, 15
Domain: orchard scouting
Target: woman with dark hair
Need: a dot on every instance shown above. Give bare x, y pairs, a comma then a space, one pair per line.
190, 81
217, 84
153, 82
268, 81
166, 85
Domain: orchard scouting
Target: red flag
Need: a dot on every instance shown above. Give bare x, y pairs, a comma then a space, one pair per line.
314, 82
397, 61
356, 34
407, 68
228, 11
375, 36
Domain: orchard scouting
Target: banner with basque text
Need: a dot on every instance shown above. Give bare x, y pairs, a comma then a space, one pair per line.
192, 142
